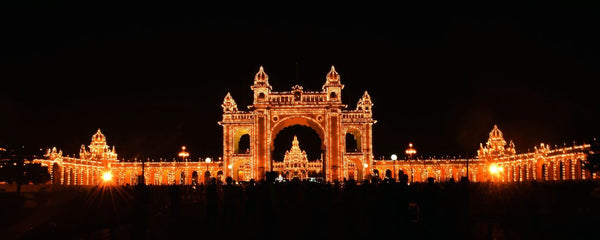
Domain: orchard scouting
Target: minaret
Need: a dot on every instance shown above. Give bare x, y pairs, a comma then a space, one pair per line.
365, 104
229, 104
261, 86
332, 86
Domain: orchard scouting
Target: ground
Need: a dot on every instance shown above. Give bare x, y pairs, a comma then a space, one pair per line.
565, 210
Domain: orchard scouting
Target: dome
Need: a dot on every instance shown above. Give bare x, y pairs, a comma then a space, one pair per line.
261, 76
333, 75
496, 133
98, 137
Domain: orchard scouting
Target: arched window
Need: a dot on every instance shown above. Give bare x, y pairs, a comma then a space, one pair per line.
561, 170
333, 95
544, 172
351, 144
194, 178
261, 96
244, 144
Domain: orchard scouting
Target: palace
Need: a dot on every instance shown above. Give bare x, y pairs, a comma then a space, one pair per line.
295, 163
323, 112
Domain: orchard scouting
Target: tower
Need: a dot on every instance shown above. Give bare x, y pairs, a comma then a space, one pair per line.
261, 86
333, 87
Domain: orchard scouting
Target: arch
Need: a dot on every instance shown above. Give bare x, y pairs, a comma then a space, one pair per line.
579, 169
545, 172
237, 137
56, 174
206, 177
71, 177
194, 178
237, 171
333, 95
298, 120
358, 169
561, 170
351, 143
261, 96
354, 134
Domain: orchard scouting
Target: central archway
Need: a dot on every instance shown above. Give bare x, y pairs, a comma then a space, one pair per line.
301, 121
308, 138
292, 124
272, 111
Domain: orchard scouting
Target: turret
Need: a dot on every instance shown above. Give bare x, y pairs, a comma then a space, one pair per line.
82, 152
332, 86
229, 104
364, 104
261, 86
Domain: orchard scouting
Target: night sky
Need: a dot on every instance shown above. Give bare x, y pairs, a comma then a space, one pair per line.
153, 76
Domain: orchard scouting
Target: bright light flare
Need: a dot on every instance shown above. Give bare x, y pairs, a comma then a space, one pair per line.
107, 176
495, 169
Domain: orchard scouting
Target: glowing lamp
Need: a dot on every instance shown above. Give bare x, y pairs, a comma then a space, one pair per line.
230, 166
366, 165
495, 169
207, 160
107, 176
394, 157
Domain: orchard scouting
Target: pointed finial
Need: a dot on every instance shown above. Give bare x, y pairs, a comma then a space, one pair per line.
261, 76
333, 75
229, 104
366, 96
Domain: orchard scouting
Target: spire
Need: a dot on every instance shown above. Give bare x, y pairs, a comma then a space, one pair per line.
261, 86
496, 139
496, 133
333, 75
295, 143
98, 137
332, 85
261, 79
229, 104
364, 104
332, 79
261, 76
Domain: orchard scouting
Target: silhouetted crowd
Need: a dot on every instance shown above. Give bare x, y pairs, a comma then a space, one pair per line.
378, 208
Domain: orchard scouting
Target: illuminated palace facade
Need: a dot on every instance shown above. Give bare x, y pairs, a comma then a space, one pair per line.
324, 112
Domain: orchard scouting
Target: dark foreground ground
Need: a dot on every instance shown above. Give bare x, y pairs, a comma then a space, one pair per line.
567, 210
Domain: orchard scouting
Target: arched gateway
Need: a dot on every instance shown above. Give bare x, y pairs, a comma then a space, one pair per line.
322, 111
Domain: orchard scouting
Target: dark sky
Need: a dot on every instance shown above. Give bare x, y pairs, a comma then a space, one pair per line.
153, 76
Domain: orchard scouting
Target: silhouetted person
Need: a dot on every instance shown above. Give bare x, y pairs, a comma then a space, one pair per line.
211, 203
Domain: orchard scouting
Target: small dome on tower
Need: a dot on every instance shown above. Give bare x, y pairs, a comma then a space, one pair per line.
98, 137
261, 76
495, 133
333, 75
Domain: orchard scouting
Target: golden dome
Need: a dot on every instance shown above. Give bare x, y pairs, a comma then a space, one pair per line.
98, 137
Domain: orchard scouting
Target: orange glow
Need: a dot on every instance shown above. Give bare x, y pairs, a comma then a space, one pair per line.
183, 154
410, 151
107, 176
